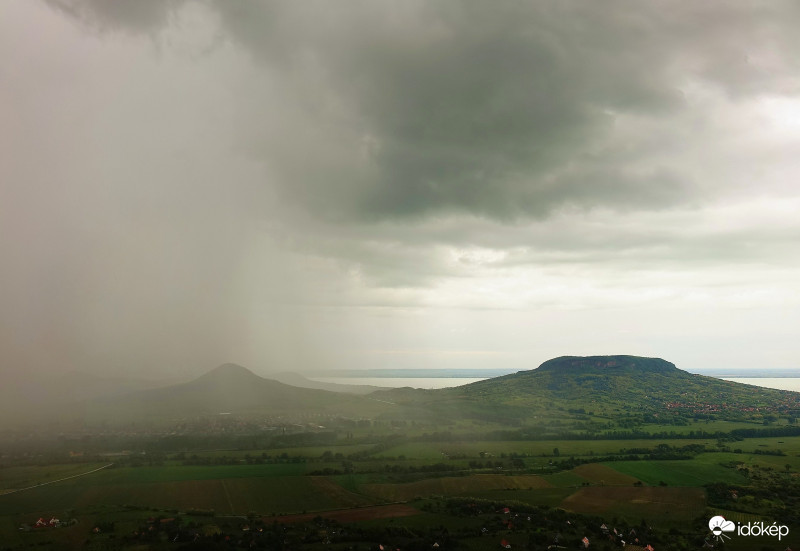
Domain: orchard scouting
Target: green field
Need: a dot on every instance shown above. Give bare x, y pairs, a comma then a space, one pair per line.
693, 472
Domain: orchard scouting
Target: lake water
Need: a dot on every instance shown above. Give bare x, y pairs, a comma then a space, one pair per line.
782, 383
396, 382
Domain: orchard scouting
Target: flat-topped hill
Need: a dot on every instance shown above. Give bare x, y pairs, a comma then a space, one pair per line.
594, 378
608, 365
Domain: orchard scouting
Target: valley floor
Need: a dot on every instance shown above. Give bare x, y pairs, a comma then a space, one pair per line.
407, 493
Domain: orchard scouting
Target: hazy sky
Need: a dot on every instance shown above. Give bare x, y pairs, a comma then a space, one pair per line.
304, 185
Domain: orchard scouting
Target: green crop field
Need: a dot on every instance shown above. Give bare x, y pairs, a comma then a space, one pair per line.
692, 472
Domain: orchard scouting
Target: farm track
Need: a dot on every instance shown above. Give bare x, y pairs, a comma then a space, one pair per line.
16, 491
227, 495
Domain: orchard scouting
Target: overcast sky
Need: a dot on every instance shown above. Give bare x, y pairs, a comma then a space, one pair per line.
307, 185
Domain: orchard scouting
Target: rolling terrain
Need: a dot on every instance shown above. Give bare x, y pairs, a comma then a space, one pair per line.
621, 440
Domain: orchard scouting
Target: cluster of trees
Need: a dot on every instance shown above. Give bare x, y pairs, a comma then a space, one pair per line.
235, 460
518, 463
348, 467
758, 451
792, 430
551, 433
664, 451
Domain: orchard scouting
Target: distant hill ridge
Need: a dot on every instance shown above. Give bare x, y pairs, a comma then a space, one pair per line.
228, 371
614, 387
230, 388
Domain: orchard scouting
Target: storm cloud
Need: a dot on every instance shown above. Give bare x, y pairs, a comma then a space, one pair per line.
379, 109
288, 184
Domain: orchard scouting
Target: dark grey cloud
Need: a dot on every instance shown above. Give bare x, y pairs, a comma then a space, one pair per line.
458, 107
382, 109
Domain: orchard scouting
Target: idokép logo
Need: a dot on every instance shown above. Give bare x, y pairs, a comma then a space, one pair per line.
721, 527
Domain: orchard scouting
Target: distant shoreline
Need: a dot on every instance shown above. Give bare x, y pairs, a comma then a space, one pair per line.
409, 373
750, 374
489, 373
400, 382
